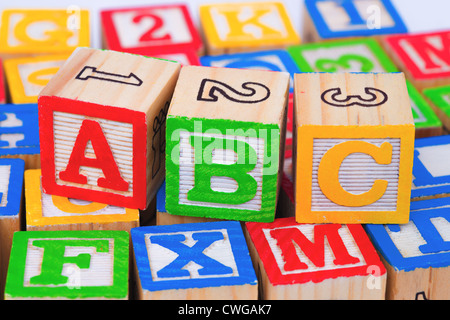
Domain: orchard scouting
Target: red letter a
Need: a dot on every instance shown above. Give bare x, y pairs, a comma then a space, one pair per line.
91, 131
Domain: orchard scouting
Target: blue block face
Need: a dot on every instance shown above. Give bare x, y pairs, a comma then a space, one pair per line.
161, 198
19, 129
192, 255
349, 18
421, 243
272, 60
431, 177
11, 189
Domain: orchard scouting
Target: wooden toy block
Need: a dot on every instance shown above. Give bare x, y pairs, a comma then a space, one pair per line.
246, 26
431, 172
102, 122
417, 255
38, 31
272, 60
64, 265
224, 153
11, 186
295, 264
185, 57
151, 29
19, 133
424, 57
363, 55
45, 212
2, 85
354, 140
198, 261
328, 19
439, 99
26, 77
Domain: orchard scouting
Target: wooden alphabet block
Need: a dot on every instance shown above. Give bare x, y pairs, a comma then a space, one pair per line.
417, 254
26, 77
19, 133
151, 29
186, 57
196, 261
295, 264
439, 98
354, 141
102, 122
246, 26
11, 186
68, 265
272, 60
2, 85
328, 19
431, 172
224, 153
47, 212
424, 57
364, 55
39, 31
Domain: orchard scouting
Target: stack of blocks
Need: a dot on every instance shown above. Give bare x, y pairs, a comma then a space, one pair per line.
278, 170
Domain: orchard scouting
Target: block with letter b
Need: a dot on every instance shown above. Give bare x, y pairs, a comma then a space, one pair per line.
225, 142
354, 141
102, 122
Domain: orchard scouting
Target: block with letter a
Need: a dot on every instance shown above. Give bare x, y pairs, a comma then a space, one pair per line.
417, 254
224, 153
354, 143
424, 57
296, 263
101, 120
251, 26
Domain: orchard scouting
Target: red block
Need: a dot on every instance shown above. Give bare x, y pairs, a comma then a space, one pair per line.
2, 85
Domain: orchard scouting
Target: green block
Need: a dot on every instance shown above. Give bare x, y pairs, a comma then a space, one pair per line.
440, 98
221, 168
68, 265
423, 114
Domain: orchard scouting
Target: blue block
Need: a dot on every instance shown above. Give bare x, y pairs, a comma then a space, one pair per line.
161, 198
272, 60
11, 194
161, 266
19, 119
425, 183
357, 26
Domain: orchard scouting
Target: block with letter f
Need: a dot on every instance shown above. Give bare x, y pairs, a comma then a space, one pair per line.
224, 143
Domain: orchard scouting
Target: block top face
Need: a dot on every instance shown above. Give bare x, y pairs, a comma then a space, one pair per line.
11, 175
69, 264
192, 255
112, 78
352, 99
231, 94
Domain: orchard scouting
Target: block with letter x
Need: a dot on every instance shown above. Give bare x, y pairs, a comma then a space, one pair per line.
68, 265
296, 263
102, 121
354, 143
208, 260
225, 142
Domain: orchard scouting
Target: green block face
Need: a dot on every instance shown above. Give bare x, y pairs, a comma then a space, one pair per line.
221, 168
68, 264
440, 97
361, 55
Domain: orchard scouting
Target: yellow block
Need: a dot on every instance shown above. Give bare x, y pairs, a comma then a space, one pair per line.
234, 27
49, 210
26, 77
43, 30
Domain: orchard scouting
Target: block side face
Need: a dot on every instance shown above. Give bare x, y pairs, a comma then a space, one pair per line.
286, 263
11, 172
222, 169
224, 256
65, 134
423, 114
438, 97
104, 274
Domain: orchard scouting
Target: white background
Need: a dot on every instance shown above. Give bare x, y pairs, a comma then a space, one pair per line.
418, 15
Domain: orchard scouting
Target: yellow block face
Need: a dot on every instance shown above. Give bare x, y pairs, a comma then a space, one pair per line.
44, 209
354, 174
40, 31
255, 24
26, 77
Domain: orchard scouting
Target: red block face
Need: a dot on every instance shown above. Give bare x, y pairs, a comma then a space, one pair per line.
93, 152
150, 30
295, 253
426, 56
